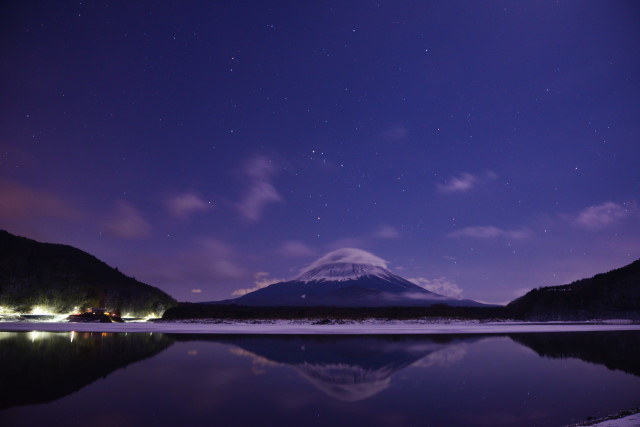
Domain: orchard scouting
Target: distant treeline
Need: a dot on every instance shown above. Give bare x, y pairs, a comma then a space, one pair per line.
239, 312
522, 312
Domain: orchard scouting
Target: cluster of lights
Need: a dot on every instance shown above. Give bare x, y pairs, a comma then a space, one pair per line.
36, 335
41, 310
6, 310
53, 315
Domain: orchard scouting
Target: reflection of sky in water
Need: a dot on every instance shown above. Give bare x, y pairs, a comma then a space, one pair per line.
338, 381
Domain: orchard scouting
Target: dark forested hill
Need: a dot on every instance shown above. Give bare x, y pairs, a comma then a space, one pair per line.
62, 277
615, 294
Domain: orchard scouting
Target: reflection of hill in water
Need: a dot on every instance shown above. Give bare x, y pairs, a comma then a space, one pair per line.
616, 350
39, 367
350, 368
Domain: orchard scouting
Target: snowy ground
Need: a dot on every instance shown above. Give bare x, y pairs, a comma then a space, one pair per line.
631, 420
616, 421
308, 327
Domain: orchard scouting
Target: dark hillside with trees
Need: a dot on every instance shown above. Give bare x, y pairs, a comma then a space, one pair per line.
61, 277
615, 294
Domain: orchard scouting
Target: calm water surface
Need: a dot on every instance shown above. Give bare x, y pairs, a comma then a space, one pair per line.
546, 379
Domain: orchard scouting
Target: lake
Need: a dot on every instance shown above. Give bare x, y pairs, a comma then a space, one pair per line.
133, 379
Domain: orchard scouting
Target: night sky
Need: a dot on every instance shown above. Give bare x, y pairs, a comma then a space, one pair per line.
479, 148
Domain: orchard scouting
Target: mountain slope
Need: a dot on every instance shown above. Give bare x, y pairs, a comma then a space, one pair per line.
346, 285
607, 295
62, 277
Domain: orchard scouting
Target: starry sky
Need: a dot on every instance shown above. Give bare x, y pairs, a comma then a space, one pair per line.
480, 149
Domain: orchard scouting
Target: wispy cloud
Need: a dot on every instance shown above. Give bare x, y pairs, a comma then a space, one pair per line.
127, 222
347, 255
13, 157
261, 280
19, 202
295, 249
386, 232
439, 285
259, 170
349, 242
395, 133
601, 216
491, 232
182, 206
206, 262
216, 259
464, 182
383, 232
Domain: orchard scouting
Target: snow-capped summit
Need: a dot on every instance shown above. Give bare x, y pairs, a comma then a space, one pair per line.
341, 271
347, 277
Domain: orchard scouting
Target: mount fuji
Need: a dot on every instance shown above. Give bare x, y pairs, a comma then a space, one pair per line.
347, 278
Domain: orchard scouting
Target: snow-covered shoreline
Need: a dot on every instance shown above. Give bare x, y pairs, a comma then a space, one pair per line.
309, 327
625, 418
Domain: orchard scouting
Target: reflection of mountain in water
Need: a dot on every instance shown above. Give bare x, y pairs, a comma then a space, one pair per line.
39, 367
616, 350
351, 368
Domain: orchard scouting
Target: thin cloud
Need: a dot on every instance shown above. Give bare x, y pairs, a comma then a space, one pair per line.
15, 157
259, 170
395, 133
458, 184
127, 222
19, 202
439, 285
349, 242
217, 259
464, 182
261, 280
415, 296
295, 249
182, 206
207, 262
383, 232
601, 216
347, 255
386, 232
491, 232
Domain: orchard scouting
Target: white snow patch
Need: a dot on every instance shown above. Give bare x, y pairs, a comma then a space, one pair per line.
342, 271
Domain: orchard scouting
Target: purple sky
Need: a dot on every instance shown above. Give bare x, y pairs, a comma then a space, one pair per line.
482, 148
